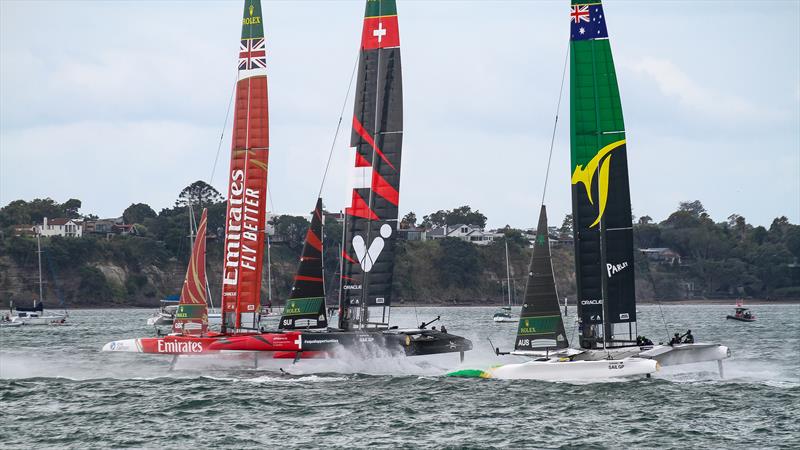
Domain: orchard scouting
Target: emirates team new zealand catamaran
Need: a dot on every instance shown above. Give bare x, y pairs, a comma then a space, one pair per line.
609, 343
370, 223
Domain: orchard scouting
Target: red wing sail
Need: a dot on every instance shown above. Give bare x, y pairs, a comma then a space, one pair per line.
247, 189
377, 135
192, 315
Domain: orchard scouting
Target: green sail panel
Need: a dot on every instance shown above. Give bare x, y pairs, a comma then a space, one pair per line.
600, 189
252, 21
540, 324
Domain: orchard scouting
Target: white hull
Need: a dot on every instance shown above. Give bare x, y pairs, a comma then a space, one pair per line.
556, 370
10, 324
669, 355
40, 320
505, 319
123, 345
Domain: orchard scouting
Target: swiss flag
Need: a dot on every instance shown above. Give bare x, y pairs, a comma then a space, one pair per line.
380, 32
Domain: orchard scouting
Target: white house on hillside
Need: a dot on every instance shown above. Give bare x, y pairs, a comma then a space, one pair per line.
60, 227
467, 233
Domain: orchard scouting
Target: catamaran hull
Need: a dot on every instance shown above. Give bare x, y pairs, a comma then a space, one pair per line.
671, 355
384, 343
556, 370
190, 345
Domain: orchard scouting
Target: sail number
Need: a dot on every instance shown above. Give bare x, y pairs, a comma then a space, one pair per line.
524, 342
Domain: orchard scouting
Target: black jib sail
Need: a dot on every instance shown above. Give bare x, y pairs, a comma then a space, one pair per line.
371, 219
305, 307
601, 204
540, 324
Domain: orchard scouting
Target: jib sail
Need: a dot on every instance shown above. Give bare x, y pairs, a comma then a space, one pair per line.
247, 189
305, 307
192, 314
540, 324
601, 204
371, 218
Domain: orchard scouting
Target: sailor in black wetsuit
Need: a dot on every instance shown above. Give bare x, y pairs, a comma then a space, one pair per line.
688, 338
675, 339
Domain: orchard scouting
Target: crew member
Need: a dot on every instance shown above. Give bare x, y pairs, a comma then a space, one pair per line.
675, 339
688, 338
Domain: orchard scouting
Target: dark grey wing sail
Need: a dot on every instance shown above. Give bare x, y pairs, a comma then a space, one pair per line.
540, 324
305, 307
377, 135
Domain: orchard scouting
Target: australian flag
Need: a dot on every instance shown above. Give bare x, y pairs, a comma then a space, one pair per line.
587, 22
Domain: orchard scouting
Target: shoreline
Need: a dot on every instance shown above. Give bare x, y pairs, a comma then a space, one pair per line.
728, 302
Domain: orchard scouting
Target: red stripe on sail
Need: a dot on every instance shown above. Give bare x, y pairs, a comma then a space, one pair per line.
305, 278
360, 208
382, 187
364, 135
361, 161
347, 257
313, 240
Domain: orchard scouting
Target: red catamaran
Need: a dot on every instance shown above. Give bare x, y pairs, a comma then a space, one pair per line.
244, 230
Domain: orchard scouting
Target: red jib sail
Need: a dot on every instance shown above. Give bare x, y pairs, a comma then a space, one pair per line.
247, 189
192, 315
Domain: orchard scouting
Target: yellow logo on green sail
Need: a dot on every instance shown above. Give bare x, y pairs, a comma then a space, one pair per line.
586, 174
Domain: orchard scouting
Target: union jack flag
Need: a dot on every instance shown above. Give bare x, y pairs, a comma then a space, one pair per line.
252, 54
580, 13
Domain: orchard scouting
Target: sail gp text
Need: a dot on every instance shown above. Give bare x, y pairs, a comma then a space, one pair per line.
614, 365
179, 347
241, 240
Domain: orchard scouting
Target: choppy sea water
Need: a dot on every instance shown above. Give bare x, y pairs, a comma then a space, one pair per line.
58, 390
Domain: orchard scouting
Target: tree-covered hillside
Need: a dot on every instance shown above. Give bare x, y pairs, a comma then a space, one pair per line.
714, 259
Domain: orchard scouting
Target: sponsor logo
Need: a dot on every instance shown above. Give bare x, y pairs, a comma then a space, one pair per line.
624, 316
379, 300
615, 268
452, 345
241, 231
179, 347
321, 341
251, 20
591, 302
526, 328
560, 338
616, 365
597, 165
352, 286
367, 256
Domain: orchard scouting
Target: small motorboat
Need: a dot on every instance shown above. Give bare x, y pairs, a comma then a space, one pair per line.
9, 324
504, 315
742, 314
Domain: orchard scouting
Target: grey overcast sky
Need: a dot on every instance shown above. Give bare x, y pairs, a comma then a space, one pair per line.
122, 102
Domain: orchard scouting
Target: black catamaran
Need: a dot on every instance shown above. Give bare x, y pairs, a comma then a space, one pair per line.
370, 222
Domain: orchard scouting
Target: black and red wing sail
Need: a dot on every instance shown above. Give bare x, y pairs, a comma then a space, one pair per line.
305, 307
377, 135
540, 324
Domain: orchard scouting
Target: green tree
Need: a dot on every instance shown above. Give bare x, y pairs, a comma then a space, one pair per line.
138, 213
71, 207
292, 229
199, 195
409, 220
459, 263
